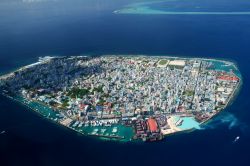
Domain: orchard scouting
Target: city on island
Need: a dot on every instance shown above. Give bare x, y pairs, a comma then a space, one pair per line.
125, 97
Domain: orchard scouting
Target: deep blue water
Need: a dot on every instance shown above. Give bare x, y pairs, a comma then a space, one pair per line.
64, 27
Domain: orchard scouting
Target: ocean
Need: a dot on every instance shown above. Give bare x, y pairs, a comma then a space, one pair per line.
30, 29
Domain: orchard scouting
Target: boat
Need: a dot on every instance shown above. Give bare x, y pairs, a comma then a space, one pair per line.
103, 130
114, 130
237, 138
80, 125
94, 132
226, 65
179, 122
76, 124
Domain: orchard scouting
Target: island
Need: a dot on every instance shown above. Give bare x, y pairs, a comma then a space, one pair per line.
176, 7
125, 98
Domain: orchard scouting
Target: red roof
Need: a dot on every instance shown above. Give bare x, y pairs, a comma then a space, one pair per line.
228, 78
152, 125
81, 106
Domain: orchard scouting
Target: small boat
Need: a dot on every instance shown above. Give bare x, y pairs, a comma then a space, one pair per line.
114, 130
94, 132
76, 124
80, 125
103, 131
237, 139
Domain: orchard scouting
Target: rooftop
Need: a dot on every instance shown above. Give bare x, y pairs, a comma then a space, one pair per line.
153, 127
177, 63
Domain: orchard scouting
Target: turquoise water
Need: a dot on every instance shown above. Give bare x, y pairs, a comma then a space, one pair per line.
64, 27
148, 10
176, 7
220, 65
43, 110
188, 123
122, 131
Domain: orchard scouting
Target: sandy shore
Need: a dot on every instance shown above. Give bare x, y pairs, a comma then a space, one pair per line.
173, 127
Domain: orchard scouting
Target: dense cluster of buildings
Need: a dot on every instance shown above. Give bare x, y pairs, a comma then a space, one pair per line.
141, 91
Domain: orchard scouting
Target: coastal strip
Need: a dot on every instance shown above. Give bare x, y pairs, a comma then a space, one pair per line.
154, 96
110, 138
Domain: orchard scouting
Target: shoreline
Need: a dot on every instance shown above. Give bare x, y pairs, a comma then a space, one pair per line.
223, 60
229, 101
105, 138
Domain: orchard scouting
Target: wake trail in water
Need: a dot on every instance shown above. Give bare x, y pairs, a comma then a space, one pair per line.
228, 119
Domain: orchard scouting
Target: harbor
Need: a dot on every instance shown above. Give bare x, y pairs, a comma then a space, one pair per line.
142, 109
114, 132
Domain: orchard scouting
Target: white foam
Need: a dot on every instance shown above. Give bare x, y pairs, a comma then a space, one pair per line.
228, 119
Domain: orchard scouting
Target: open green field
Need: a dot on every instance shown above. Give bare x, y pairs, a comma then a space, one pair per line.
163, 62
